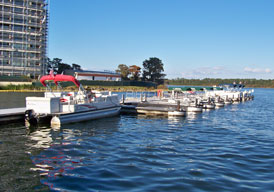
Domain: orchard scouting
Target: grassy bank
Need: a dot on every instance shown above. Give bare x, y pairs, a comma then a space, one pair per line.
31, 88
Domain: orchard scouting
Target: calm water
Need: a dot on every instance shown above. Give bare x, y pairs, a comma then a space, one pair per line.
16, 99
228, 149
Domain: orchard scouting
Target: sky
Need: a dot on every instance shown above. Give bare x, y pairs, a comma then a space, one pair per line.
193, 38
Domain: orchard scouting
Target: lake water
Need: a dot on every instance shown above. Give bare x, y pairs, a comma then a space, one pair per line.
227, 149
16, 99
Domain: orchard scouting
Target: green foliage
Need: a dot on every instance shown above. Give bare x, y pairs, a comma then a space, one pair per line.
59, 67
102, 83
210, 82
123, 70
62, 67
15, 78
135, 72
18, 87
153, 69
76, 66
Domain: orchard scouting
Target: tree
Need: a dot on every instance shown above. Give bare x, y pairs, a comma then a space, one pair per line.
62, 67
56, 62
76, 66
53, 64
58, 67
135, 72
123, 70
152, 70
49, 65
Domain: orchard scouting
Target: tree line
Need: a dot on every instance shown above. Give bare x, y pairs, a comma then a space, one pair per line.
263, 83
152, 71
59, 67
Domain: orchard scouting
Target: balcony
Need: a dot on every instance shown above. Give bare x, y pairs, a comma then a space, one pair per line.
21, 32
25, 15
24, 6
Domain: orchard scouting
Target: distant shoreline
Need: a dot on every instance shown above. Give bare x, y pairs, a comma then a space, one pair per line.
113, 89
100, 88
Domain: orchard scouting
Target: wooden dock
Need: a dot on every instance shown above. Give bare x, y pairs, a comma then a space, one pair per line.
12, 115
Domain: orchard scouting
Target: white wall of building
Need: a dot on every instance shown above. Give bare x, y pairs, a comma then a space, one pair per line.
98, 78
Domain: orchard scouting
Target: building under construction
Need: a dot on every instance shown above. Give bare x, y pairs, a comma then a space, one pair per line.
23, 37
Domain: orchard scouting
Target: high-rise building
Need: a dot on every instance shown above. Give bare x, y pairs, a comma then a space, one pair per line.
23, 37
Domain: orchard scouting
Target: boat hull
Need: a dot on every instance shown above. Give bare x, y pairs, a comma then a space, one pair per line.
153, 109
228, 102
59, 119
219, 105
208, 106
193, 109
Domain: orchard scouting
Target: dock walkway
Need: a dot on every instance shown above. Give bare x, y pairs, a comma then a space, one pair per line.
12, 115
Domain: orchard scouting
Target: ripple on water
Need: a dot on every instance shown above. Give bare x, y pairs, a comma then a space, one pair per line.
229, 149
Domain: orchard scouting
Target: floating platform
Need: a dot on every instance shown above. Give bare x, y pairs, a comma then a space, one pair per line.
150, 108
12, 115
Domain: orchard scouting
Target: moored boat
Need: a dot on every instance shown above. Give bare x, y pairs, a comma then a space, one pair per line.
193, 109
153, 107
63, 107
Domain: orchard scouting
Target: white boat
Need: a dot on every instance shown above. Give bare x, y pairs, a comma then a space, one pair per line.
207, 103
192, 105
153, 108
219, 104
63, 107
209, 106
193, 109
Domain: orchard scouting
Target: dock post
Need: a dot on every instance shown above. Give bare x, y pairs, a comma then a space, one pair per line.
141, 97
145, 96
123, 99
178, 105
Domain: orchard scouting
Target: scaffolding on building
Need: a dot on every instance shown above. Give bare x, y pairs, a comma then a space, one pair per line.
23, 37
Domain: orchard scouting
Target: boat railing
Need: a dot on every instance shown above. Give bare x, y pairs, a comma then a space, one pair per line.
137, 94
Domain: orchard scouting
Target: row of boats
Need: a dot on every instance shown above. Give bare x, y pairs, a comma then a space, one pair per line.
178, 103
61, 107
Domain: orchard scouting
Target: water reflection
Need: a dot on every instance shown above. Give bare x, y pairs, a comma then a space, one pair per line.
16, 99
39, 138
15, 162
63, 150
193, 116
229, 149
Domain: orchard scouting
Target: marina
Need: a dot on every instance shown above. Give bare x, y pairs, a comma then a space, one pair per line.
136, 96
217, 150
179, 102
56, 108
59, 107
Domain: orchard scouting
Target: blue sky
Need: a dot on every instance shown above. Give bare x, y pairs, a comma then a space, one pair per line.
193, 38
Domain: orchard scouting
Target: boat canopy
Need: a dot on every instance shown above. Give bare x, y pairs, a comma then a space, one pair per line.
57, 78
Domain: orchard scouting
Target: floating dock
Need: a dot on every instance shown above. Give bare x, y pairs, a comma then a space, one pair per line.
12, 115
152, 108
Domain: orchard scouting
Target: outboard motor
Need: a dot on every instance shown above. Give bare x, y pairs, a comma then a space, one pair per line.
30, 118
